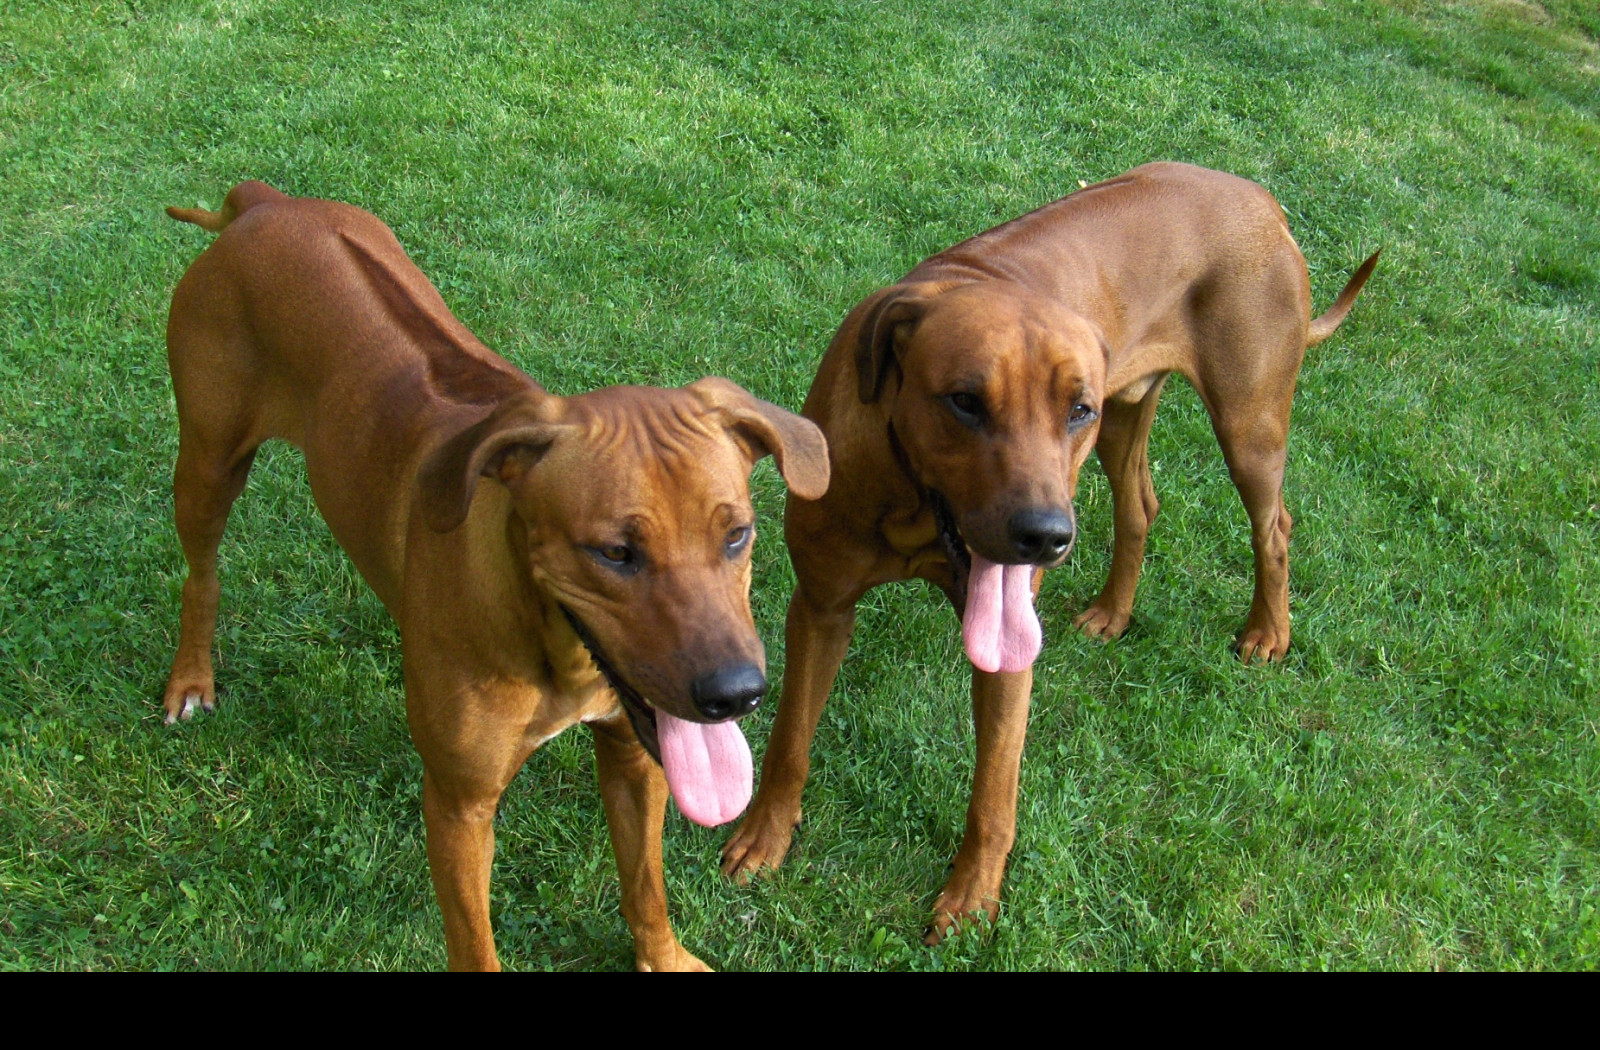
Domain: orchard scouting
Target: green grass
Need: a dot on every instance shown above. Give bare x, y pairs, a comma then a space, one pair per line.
612, 192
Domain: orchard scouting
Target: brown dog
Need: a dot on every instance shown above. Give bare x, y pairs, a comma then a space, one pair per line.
959, 406
603, 577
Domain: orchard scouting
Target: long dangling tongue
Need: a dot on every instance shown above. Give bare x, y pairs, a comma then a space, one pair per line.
1000, 629
708, 768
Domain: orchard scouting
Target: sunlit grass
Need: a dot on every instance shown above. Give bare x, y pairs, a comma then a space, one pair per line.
608, 193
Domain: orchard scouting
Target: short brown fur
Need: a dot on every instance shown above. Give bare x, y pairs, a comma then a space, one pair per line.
306, 321
1081, 308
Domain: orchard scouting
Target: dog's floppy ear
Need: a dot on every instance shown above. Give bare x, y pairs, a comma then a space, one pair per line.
1105, 344
793, 441
887, 313
514, 436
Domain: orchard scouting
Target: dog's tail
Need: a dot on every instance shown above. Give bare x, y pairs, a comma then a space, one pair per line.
240, 199
1323, 326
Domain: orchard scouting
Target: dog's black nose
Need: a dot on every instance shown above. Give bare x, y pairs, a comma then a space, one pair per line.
1041, 536
728, 692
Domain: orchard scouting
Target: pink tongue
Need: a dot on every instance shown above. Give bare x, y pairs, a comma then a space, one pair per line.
708, 768
1000, 628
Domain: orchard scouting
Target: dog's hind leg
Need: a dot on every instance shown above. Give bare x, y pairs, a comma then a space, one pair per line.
1123, 450
225, 408
1250, 343
1255, 446
1254, 432
204, 486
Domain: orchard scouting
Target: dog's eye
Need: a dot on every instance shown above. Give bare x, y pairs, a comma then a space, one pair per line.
1080, 415
738, 539
968, 408
618, 557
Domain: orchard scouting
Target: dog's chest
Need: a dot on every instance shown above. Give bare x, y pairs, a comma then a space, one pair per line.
575, 689
918, 552
573, 671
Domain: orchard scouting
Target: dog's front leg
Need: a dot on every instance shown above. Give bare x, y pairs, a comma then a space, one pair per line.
1123, 448
815, 640
634, 791
460, 823
1000, 718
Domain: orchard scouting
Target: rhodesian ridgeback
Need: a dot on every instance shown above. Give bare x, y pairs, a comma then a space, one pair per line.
959, 405
600, 575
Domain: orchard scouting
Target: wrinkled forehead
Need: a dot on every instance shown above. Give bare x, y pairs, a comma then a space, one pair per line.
648, 448
991, 332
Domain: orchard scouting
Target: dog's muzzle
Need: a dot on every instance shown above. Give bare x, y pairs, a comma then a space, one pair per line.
728, 692
640, 714
1041, 536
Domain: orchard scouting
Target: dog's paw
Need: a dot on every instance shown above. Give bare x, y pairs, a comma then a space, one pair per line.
1263, 645
1098, 621
677, 959
182, 700
952, 917
970, 899
762, 841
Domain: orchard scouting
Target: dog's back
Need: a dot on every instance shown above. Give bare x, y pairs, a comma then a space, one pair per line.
1159, 226
285, 266
306, 321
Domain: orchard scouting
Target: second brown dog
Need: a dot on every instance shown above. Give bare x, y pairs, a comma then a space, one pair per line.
959, 405
550, 561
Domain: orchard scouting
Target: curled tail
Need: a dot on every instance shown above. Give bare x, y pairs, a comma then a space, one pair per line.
240, 199
1323, 326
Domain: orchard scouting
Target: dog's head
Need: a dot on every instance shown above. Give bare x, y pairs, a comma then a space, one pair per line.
993, 394
632, 510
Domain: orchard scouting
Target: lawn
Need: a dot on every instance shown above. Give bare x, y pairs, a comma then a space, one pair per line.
615, 192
